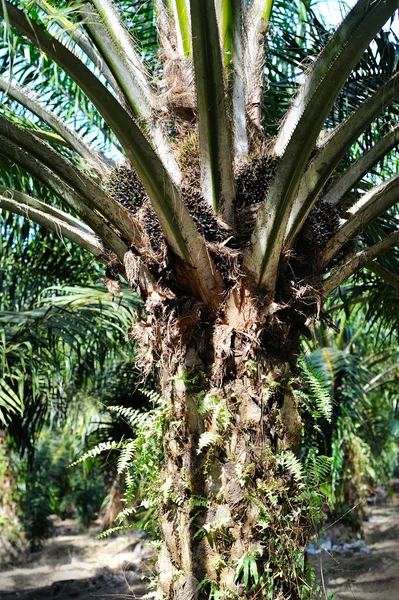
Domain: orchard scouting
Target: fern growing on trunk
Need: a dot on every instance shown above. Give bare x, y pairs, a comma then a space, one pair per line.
141, 461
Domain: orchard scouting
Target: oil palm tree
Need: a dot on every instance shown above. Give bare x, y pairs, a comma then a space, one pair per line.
33, 383
358, 364
50, 355
55, 343
233, 238
58, 344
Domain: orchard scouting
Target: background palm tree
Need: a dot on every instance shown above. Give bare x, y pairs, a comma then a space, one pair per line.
52, 355
232, 234
56, 347
358, 364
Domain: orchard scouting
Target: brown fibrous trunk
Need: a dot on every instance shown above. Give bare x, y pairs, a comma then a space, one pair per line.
230, 511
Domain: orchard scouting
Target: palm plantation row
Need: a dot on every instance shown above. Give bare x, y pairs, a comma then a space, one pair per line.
232, 237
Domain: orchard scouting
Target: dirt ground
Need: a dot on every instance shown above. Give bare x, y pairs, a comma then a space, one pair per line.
361, 576
73, 565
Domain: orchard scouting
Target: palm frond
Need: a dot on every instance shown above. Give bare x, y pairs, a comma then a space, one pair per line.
214, 126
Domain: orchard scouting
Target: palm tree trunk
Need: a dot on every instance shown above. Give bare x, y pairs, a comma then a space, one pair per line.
230, 509
13, 545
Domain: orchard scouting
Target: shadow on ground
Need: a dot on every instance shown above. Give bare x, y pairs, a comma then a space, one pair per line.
80, 566
373, 576
73, 565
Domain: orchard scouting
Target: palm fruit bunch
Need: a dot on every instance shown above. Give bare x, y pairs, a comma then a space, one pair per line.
201, 212
254, 180
124, 186
203, 216
323, 222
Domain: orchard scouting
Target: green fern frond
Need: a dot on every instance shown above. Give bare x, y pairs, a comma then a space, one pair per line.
113, 530
198, 502
208, 404
125, 513
321, 395
154, 396
211, 406
97, 450
130, 484
153, 595
208, 439
312, 502
130, 415
289, 461
321, 469
126, 456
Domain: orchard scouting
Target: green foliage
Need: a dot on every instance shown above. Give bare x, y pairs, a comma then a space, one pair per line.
35, 343
211, 589
97, 450
208, 439
46, 487
140, 458
10, 402
247, 569
216, 413
358, 366
116, 529
49, 352
267, 568
299, 483
214, 408
321, 406
289, 461
12, 538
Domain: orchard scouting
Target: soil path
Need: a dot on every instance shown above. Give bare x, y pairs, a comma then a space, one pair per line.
373, 576
79, 566
73, 565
